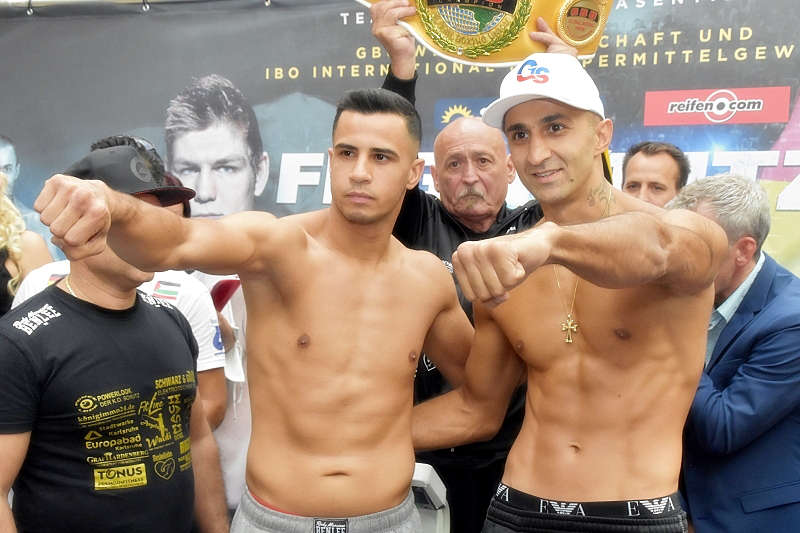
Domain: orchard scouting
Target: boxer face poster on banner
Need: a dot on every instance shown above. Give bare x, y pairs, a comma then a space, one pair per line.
495, 32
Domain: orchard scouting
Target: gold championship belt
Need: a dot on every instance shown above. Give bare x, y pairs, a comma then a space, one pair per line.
495, 32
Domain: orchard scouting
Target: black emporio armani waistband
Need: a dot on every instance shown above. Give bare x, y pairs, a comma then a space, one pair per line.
661, 507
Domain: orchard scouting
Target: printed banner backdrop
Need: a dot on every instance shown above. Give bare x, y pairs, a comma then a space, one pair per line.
719, 78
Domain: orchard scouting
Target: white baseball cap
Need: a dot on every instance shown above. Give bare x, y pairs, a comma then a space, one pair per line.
559, 77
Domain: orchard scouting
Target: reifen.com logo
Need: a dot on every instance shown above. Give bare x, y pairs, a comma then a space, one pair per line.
753, 105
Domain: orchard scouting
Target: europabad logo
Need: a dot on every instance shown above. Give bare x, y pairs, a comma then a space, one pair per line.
753, 105
530, 70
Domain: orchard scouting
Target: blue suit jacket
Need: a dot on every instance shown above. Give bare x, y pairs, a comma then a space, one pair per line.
742, 441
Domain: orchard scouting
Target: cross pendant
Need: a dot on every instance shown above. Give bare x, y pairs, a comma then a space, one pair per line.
569, 326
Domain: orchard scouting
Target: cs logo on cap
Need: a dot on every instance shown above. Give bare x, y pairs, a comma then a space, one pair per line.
530, 70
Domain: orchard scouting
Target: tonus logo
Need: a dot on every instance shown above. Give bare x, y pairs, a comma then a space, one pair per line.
530, 70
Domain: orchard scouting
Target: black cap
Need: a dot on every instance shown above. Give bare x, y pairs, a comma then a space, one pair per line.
125, 169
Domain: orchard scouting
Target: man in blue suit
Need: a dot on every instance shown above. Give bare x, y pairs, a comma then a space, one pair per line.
741, 468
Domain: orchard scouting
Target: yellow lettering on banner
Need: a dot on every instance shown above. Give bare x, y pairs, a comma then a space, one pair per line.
280, 73
725, 34
783, 51
120, 477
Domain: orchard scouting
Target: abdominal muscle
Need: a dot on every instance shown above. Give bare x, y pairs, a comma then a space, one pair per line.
339, 447
612, 442
342, 484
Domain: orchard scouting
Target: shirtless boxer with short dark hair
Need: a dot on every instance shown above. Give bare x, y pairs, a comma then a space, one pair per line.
602, 308
342, 312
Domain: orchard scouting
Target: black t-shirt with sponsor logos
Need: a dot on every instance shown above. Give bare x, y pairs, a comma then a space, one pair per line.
107, 397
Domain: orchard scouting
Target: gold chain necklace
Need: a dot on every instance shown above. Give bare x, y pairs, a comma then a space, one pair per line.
570, 325
69, 287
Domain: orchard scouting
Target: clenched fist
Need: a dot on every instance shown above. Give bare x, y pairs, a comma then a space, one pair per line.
488, 269
77, 214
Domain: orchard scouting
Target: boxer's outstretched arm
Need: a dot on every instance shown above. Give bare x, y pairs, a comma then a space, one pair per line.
85, 215
675, 248
678, 249
475, 410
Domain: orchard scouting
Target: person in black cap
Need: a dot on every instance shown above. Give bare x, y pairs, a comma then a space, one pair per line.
99, 426
183, 291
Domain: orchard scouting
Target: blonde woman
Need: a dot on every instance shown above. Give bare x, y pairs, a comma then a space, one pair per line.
20, 251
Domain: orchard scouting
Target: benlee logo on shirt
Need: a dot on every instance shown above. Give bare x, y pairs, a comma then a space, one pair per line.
34, 319
329, 525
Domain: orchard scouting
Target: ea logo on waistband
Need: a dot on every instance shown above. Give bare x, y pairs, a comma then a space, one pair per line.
530, 70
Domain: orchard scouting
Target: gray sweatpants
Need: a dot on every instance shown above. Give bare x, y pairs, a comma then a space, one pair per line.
252, 517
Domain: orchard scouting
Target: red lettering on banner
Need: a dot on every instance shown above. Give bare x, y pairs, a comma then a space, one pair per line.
750, 105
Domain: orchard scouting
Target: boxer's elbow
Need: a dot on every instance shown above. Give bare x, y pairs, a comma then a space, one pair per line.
486, 421
487, 430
